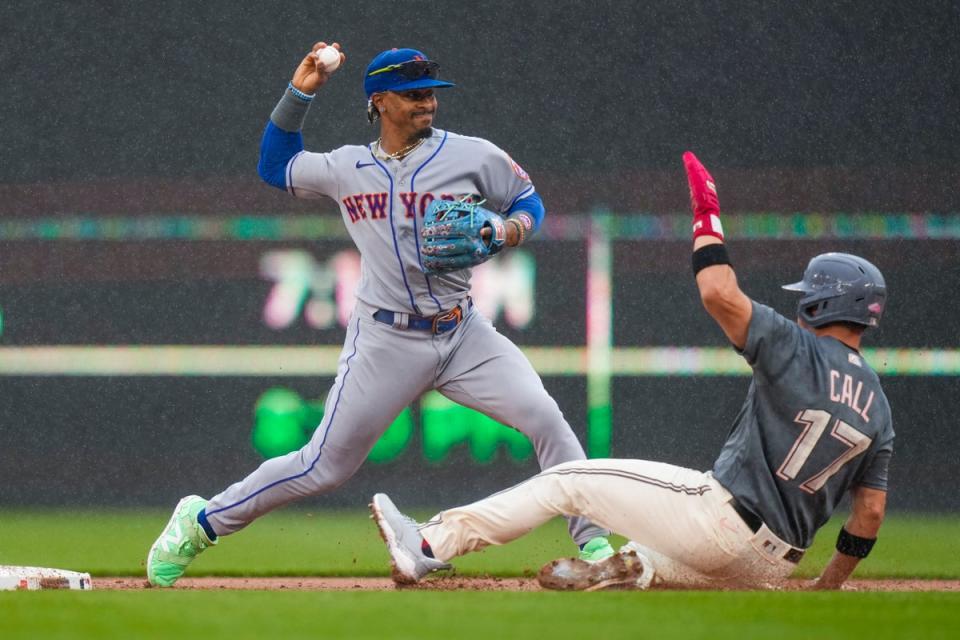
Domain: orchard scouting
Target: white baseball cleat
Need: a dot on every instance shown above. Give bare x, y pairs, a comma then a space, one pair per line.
646, 579
404, 542
625, 570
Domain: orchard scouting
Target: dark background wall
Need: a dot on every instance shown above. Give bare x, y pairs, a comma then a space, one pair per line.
143, 90
120, 440
149, 441
126, 108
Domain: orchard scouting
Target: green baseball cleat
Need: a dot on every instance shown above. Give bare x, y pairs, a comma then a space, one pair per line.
181, 541
596, 549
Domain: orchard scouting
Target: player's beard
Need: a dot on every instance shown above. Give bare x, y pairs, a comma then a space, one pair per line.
426, 131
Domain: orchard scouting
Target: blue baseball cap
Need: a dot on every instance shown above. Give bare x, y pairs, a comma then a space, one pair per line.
402, 70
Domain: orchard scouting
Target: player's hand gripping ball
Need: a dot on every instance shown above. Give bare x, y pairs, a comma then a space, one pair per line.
454, 238
329, 58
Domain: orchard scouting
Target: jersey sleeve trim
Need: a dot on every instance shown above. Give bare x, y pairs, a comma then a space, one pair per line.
873, 485
523, 194
531, 204
289, 177
876, 473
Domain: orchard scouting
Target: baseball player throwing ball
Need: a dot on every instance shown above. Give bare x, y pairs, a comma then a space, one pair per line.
423, 205
815, 424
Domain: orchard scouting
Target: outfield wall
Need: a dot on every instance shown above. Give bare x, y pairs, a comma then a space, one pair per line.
82, 441
142, 361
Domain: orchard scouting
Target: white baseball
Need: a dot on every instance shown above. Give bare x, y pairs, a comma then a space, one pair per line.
329, 57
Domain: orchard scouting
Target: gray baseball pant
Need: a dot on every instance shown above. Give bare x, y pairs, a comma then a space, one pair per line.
382, 370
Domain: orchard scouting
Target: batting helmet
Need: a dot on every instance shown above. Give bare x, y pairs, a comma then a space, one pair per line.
839, 287
402, 70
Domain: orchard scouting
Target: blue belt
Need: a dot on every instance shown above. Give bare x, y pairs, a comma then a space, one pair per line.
440, 323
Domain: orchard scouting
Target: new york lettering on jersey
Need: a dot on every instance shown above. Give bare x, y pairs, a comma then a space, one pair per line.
373, 206
383, 200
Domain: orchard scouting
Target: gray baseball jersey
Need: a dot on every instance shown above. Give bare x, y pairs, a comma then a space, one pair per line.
815, 423
383, 202
384, 367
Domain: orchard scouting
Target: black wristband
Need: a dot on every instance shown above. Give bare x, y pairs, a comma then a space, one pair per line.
851, 545
709, 255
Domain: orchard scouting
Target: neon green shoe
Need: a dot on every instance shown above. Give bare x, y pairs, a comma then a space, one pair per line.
596, 549
181, 541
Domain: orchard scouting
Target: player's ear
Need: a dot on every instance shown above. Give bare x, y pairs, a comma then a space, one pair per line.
374, 103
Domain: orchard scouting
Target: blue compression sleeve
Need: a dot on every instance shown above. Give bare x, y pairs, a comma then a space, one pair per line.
533, 205
276, 148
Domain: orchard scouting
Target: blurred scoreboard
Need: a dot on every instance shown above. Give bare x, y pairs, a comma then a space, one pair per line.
119, 338
248, 293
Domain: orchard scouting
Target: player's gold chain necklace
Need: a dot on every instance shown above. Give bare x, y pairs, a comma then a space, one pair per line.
398, 155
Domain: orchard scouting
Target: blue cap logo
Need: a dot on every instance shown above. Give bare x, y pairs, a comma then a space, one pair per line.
402, 70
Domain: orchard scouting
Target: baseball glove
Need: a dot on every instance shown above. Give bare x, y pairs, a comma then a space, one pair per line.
458, 234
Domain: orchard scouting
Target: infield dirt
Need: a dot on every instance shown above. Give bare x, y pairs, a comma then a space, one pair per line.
452, 583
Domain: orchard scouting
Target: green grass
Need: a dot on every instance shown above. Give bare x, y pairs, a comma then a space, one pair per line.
289, 542
297, 542
345, 543
484, 616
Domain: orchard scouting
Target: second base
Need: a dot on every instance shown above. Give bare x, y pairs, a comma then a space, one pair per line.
14, 578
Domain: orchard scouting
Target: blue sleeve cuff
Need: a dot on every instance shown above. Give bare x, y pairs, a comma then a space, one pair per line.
531, 204
277, 147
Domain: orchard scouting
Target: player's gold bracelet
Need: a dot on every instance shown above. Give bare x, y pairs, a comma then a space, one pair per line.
521, 232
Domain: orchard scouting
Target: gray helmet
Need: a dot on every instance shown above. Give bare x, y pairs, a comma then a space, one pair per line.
839, 287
